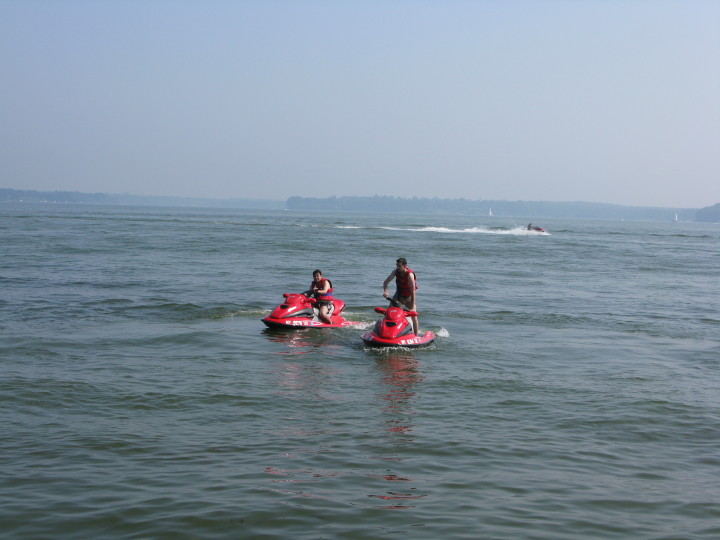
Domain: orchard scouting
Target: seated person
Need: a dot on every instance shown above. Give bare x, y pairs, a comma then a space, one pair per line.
321, 289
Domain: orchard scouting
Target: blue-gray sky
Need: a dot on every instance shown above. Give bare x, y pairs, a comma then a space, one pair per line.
561, 100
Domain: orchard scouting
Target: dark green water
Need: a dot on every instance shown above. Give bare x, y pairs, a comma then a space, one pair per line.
573, 392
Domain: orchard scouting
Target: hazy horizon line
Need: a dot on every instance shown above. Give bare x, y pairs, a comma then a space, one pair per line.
184, 197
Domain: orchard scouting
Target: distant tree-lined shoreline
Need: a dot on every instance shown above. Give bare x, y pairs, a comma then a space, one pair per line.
382, 204
77, 197
529, 209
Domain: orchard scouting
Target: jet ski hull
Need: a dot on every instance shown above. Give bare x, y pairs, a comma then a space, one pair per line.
395, 329
295, 323
298, 311
411, 341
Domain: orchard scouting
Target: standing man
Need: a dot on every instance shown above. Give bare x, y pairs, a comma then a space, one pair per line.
405, 283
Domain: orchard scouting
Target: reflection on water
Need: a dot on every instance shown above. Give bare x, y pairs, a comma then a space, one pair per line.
297, 380
310, 445
303, 379
400, 373
298, 341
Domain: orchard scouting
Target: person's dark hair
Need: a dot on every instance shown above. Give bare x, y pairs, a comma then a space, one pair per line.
402, 260
316, 272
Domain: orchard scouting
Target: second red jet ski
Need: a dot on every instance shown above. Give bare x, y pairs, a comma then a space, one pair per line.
298, 311
395, 330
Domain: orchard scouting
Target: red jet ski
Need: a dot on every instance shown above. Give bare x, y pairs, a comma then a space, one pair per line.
298, 311
395, 330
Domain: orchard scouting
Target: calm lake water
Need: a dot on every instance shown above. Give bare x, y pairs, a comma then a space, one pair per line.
573, 391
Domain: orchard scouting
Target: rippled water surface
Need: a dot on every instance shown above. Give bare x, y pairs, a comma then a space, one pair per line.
573, 390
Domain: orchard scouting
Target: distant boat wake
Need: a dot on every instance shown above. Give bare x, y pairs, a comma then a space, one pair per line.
516, 231
482, 230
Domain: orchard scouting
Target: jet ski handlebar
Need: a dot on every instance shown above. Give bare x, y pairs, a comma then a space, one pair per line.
408, 313
310, 299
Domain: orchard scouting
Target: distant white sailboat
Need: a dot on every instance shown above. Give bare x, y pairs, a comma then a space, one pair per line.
490, 213
676, 218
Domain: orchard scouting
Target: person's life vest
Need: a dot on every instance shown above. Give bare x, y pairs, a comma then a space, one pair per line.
314, 286
402, 282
